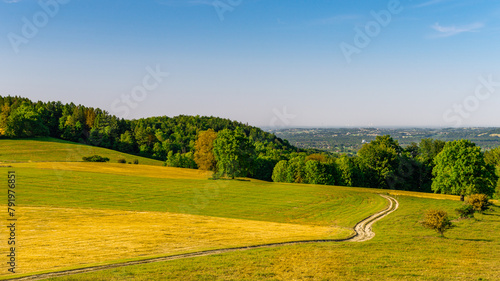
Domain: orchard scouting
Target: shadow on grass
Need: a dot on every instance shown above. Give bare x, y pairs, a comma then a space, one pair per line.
475, 240
486, 214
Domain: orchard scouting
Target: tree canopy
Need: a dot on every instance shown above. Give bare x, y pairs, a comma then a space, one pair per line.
380, 159
460, 169
234, 153
204, 156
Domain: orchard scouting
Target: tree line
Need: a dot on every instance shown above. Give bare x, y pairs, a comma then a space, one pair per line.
232, 149
453, 167
170, 139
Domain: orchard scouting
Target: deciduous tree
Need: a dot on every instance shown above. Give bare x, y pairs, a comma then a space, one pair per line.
204, 155
460, 169
380, 159
233, 152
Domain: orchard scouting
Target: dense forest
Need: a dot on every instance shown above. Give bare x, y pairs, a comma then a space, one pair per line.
232, 149
163, 138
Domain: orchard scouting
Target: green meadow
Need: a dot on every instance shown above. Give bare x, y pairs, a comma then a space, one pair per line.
54, 150
401, 250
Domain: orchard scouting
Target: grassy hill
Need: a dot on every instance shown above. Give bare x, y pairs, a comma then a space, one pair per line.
76, 214
56, 150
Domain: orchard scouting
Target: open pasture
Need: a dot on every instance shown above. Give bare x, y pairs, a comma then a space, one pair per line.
55, 150
55, 238
401, 250
75, 214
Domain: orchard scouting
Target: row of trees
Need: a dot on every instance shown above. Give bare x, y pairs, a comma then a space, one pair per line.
233, 149
232, 153
456, 167
164, 138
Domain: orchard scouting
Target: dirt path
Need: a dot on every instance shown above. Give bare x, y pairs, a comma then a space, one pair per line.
363, 232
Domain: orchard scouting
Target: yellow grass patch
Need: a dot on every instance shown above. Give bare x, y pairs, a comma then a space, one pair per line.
51, 238
423, 195
121, 169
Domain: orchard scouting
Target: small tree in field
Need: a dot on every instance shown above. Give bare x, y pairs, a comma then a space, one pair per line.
437, 220
479, 202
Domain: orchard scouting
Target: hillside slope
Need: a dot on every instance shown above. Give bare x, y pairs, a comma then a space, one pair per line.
45, 149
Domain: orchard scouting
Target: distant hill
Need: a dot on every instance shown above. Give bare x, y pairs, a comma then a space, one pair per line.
350, 140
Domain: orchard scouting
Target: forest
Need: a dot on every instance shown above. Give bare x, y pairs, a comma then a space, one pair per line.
164, 138
232, 149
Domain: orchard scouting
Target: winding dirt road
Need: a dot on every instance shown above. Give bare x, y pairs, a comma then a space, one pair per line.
363, 232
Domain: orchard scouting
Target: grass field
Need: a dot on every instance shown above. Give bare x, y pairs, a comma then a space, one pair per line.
64, 237
141, 211
401, 250
74, 214
54, 150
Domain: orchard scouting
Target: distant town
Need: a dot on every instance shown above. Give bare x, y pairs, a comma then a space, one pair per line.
350, 140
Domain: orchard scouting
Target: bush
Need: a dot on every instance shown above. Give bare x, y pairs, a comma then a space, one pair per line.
136, 161
95, 158
466, 211
121, 160
479, 202
437, 220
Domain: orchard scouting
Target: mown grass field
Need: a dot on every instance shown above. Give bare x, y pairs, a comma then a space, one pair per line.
72, 215
75, 214
401, 250
71, 236
54, 150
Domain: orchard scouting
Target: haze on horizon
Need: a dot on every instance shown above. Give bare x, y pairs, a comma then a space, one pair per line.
430, 63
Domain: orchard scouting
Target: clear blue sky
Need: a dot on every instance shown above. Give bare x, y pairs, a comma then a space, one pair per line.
265, 62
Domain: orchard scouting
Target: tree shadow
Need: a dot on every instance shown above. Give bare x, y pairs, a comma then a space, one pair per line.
475, 240
486, 214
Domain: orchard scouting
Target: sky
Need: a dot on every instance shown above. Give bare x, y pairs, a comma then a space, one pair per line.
268, 63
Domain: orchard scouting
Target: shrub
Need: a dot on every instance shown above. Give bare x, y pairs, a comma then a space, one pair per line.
95, 158
136, 161
121, 160
466, 211
479, 202
437, 220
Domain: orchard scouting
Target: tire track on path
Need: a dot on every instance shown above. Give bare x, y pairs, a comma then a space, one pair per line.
363, 232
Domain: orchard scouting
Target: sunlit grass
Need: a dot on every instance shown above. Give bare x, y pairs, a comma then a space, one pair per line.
284, 203
119, 169
54, 150
51, 238
76, 214
401, 250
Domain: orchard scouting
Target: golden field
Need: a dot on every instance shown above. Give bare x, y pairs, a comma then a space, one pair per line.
52, 238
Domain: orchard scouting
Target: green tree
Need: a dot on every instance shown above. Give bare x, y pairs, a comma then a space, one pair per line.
296, 169
319, 173
233, 152
428, 149
263, 168
23, 122
126, 142
380, 159
492, 157
349, 172
460, 169
4, 117
204, 155
280, 171
180, 160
